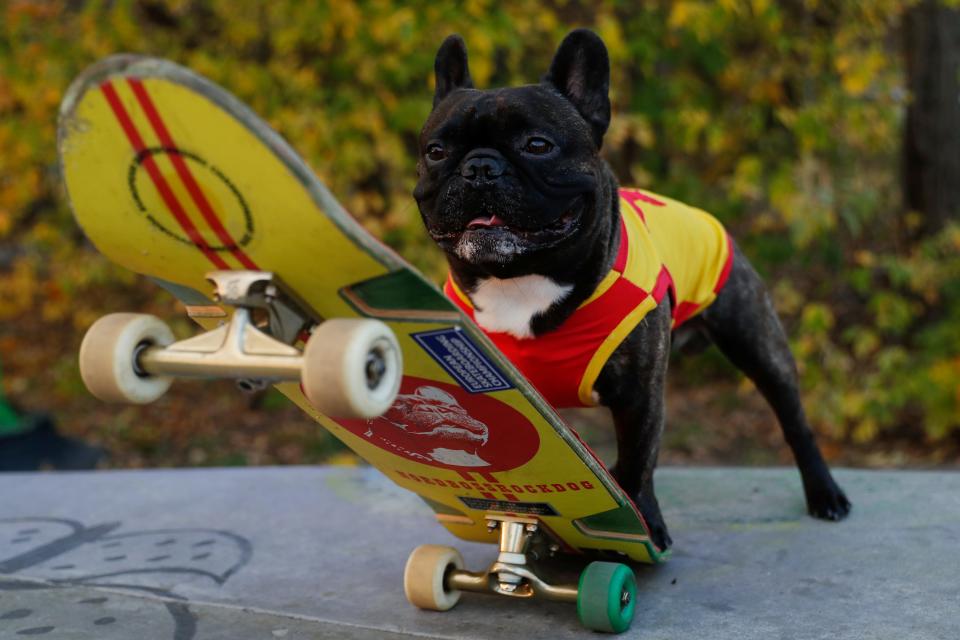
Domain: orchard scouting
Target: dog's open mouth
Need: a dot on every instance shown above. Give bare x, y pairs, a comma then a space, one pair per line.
492, 226
560, 226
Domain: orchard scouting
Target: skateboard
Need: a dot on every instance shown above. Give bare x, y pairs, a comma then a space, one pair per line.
173, 178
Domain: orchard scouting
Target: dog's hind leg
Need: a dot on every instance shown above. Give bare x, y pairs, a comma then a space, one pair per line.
745, 327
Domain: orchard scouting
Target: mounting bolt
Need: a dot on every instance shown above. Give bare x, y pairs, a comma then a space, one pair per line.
375, 369
492, 525
554, 548
508, 587
531, 528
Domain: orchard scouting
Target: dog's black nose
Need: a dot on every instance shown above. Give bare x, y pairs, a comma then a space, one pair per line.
482, 165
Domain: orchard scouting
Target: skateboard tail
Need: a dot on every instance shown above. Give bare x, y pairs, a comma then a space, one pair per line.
114, 74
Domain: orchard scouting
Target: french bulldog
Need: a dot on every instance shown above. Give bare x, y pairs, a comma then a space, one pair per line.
513, 189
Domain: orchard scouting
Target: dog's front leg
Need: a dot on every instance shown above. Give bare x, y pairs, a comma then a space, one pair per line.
632, 385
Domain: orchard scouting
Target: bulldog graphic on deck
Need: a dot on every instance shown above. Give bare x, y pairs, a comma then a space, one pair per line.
434, 414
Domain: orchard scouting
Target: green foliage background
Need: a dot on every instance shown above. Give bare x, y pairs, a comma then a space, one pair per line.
783, 118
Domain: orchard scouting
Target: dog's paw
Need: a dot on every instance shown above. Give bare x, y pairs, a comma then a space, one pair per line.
661, 538
648, 506
828, 502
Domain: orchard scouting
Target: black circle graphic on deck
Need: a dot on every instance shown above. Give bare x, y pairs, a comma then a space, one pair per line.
195, 164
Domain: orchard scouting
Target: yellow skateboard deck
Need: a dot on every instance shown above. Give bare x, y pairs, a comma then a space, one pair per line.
172, 177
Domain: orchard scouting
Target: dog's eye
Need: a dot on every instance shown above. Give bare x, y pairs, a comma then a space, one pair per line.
538, 146
436, 152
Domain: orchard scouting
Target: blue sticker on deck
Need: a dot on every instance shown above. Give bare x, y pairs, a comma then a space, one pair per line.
455, 352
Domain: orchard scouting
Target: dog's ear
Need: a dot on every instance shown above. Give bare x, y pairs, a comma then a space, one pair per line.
451, 68
580, 71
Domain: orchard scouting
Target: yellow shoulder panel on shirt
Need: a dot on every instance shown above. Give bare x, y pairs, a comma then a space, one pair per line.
643, 256
692, 244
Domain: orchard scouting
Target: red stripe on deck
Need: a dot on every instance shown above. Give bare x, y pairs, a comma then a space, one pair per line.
166, 193
196, 193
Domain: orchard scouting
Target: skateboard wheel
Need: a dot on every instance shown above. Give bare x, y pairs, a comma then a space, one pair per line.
108, 357
424, 577
606, 597
352, 368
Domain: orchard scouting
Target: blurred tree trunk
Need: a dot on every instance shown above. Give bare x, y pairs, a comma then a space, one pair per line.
932, 133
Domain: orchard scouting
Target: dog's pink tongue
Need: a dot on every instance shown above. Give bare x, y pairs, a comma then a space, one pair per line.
481, 222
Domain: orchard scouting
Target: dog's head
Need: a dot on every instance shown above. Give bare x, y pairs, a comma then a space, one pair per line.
511, 179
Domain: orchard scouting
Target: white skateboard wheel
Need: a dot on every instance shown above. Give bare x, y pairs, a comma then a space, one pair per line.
108, 358
352, 368
424, 577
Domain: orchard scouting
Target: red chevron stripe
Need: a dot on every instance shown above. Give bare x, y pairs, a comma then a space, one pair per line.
196, 193
166, 193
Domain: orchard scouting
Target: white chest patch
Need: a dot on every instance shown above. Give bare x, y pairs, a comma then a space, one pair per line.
507, 306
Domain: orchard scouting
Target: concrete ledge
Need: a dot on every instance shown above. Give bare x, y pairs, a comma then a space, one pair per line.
319, 552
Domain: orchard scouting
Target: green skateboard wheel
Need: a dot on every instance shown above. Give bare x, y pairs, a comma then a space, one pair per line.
606, 597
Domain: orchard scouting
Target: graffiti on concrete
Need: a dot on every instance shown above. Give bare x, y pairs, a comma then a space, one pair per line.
55, 553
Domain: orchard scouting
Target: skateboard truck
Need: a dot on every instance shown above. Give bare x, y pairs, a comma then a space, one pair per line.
510, 575
257, 339
349, 367
434, 578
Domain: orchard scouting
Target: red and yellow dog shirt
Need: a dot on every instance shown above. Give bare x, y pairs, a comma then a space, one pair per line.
665, 247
